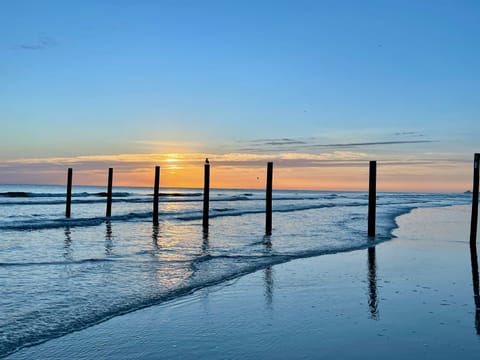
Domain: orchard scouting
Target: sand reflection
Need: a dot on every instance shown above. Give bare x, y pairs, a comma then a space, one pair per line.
108, 238
155, 235
67, 244
475, 282
269, 285
205, 242
372, 284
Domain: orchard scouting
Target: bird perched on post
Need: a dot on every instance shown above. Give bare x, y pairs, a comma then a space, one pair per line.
206, 161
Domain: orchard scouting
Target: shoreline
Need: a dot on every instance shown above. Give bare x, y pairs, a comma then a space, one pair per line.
189, 290
142, 333
139, 265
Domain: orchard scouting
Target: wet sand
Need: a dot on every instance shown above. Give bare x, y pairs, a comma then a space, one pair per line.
409, 297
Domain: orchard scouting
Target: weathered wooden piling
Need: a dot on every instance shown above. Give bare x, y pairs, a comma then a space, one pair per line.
474, 222
372, 198
109, 192
206, 194
268, 205
69, 193
155, 194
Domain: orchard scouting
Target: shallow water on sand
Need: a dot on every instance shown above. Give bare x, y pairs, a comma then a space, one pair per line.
408, 298
59, 275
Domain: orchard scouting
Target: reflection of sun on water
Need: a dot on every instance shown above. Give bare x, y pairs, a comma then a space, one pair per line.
172, 207
175, 246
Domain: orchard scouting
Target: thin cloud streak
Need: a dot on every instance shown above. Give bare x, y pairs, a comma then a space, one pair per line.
409, 134
44, 42
376, 143
185, 158
311, 144
293, 160
282, 141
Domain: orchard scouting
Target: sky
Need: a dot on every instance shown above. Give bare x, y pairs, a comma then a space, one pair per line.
318, 87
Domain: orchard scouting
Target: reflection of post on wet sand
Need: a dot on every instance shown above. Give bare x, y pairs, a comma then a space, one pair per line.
268, 272
67, 247
475, 281
108, 238
372, 283
155, 232
268, 279
205, 244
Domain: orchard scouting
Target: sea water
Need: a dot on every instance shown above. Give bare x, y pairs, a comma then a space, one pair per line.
59, 275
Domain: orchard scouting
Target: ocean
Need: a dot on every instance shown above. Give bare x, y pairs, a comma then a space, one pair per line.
61, 275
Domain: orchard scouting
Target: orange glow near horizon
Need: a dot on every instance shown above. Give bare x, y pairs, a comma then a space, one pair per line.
335, 179
243, 171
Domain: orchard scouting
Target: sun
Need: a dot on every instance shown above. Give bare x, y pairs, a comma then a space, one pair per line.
172, 158
172, 163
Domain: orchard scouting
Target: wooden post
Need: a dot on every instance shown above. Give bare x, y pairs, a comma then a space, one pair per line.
155, 195
268, 205
206, 194
372, 198
69, 193
474, 222
109, 192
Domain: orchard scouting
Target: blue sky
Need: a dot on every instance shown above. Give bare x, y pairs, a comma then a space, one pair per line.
397, 79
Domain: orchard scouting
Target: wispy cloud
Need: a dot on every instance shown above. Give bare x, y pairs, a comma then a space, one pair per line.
375, 143
132, 162
311, 144
43, 42
282, 141
409, 134
288, 159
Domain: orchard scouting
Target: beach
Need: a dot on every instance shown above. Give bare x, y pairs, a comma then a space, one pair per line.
408, 297
239, 180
